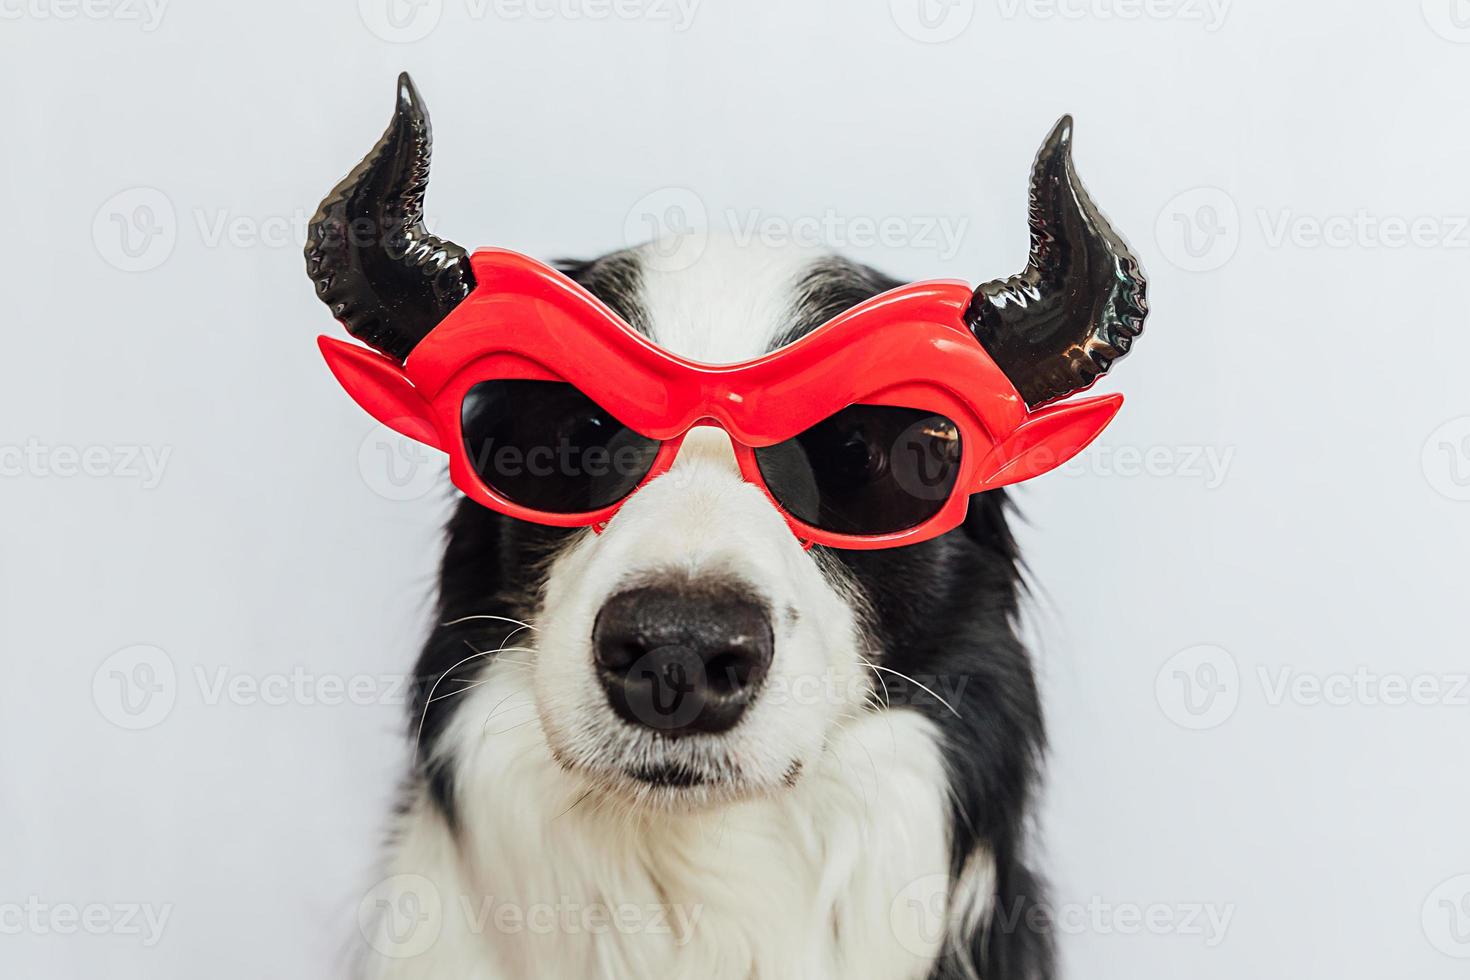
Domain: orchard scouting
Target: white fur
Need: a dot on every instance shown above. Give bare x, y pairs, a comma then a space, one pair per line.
717, 301
820, 881
818, 848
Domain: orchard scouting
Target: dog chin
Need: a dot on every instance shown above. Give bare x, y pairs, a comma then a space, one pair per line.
659, 780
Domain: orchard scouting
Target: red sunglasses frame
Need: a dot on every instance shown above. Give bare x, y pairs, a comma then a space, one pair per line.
908, 347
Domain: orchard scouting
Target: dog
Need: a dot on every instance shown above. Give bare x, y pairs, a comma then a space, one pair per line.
852, 801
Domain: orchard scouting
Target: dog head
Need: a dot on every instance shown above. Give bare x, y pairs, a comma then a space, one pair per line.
694, 650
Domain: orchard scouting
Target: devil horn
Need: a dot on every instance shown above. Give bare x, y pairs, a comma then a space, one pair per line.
374, 263
1059, 325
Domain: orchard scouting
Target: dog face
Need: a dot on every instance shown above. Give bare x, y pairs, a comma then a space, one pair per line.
695, 651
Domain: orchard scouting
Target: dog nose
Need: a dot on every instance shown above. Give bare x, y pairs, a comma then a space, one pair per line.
682, 659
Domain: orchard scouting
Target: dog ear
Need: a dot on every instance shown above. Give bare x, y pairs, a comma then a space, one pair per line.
379, 385
1047, 439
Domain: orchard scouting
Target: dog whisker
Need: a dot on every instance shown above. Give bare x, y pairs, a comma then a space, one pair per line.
512, 727
495, 711
868, 663
931, 691
503, 619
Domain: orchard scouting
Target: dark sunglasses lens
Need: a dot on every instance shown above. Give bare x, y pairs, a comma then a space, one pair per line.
869, 469
547, 446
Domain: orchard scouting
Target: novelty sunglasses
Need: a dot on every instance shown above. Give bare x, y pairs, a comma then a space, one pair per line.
871, 431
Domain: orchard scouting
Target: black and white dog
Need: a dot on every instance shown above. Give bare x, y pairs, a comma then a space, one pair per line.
865, 815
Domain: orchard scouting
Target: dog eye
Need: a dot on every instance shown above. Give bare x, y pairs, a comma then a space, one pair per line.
547, 446
869, 469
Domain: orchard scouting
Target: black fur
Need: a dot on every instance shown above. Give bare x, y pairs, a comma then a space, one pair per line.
942, 612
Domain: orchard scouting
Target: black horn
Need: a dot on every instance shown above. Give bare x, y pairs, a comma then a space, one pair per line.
1060, 324
374, 263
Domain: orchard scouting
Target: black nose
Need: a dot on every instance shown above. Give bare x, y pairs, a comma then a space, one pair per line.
682, 658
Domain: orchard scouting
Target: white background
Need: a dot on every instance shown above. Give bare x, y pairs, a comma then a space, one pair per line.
1292, 175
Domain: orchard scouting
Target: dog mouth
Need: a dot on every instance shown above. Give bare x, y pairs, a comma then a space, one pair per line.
671, 774
673, 778
667, 775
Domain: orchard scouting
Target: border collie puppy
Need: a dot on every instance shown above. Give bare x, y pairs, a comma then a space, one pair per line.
860, 811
